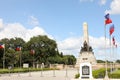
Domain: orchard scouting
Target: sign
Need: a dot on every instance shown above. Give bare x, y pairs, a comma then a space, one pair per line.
85, 71
25, 65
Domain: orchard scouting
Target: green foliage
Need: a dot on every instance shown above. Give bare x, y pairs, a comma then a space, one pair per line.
16, 70
99, 73
118, 61
77, 76
115, 74
69, 59
11, 57
100, 61
46, 52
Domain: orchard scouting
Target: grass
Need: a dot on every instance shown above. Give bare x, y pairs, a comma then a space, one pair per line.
117, 72
15, 70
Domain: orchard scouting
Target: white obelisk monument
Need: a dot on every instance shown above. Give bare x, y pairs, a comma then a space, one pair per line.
85, 33
86, 52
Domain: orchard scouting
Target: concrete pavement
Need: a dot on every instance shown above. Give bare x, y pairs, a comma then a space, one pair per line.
45, 75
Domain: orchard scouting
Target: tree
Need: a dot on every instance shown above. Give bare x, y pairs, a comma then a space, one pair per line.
11, 57
43, 46
69, 59
118, 61
100, 61
9, 51
46, 52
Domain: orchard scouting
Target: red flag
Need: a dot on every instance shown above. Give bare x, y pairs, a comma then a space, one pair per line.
108, 21
113, 40
18, 48
2, 46
32, 51
111, 30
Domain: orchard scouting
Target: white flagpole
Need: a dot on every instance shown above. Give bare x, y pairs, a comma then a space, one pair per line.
4, 57
113, 55
106, 72
110, 54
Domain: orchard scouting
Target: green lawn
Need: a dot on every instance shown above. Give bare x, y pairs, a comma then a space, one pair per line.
117, 72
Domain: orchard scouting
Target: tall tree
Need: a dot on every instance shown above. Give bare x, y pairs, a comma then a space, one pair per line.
43, 46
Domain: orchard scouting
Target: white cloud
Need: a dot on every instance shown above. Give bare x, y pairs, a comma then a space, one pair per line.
100, 2
70, 45
103, 2
12, 30
114, 7
86, 0
99, 43
73, 45
33, 21
1, 23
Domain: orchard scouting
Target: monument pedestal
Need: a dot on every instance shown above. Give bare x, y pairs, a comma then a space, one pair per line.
85, 71
86, 57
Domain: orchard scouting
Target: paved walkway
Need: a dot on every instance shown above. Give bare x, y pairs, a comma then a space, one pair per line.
45, 75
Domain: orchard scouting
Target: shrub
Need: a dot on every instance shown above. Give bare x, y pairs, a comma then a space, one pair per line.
16, 70
77, 76
114, 75
99, 73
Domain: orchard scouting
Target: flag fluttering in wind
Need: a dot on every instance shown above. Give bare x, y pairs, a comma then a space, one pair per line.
107, 19
18, 48
116, 45
2, 46
32, 51
111, 30
113, 40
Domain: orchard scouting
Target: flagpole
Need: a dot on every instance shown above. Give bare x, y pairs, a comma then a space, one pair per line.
113, 56
20, 56
106, 72
33, 61
116, 54
110, 53
4, 58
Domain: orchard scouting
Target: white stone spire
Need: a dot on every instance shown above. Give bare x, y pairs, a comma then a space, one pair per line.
85, 33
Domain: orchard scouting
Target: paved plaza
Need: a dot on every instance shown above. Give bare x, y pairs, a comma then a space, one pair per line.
44, 75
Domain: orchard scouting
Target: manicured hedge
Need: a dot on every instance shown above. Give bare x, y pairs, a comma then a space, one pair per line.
101, 74
16, 70
115, 74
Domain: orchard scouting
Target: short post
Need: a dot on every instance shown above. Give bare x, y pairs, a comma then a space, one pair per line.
66, 71
9, 68
42, 65
54, 70
29, 72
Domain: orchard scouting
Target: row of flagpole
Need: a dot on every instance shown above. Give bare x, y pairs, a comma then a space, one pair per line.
2, 46
111, 30
18, 48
